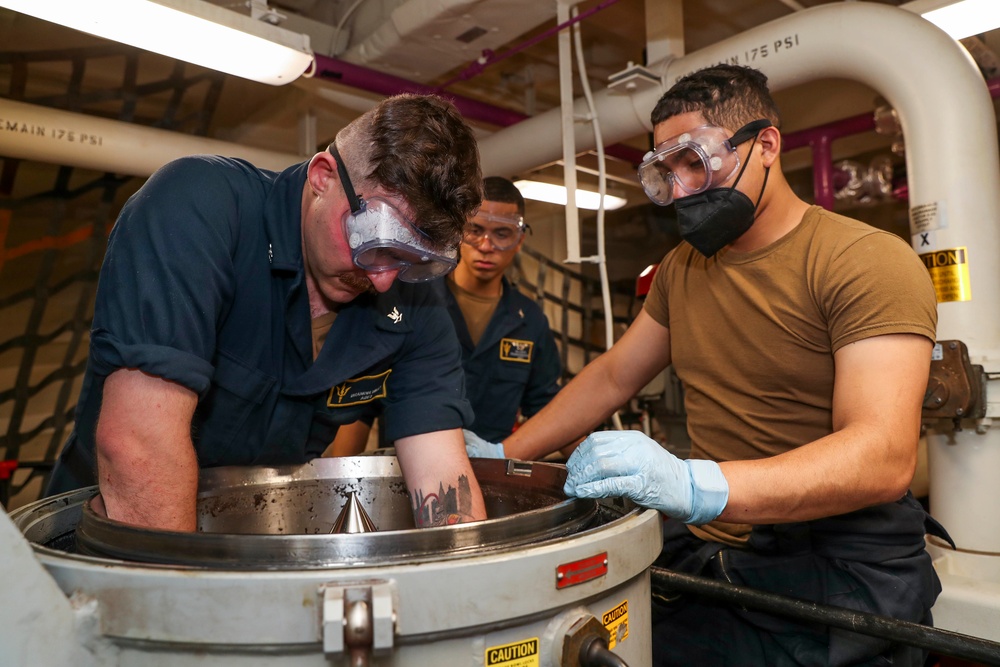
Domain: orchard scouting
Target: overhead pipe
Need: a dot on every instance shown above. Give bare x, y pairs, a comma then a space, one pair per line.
476, 67
44, 134
363, 78
374, 81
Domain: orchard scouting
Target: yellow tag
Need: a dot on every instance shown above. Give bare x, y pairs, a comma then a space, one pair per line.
616, 622
512, 349
358, 390
519, 654
949, 271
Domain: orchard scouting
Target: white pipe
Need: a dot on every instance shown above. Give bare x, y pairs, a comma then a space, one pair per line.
567, 117
602, 257
31, 132
949, 125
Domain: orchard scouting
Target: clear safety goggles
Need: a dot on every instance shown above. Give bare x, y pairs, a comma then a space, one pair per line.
504, 232
381, 238
694, 161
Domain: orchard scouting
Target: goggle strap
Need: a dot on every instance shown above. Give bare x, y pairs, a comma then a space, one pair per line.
345, 181
747, 162
747, 132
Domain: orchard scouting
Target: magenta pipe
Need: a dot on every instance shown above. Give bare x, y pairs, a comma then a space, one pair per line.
819, 139
373, 81
476, 67
835, 130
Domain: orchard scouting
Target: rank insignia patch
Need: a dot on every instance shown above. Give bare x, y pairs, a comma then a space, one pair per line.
512, 349
358, 390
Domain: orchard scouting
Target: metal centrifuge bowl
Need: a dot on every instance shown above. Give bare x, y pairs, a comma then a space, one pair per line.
282, 517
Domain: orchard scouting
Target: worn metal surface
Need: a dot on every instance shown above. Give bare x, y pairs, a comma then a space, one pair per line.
282, 517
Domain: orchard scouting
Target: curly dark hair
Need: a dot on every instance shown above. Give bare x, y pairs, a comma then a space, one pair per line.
729, 96
500, 189
417, 147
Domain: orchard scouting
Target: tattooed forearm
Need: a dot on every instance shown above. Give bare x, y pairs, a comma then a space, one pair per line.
446, 507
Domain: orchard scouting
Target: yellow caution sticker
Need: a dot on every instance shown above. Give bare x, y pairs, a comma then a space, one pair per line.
949, 271
616, 622
519, 654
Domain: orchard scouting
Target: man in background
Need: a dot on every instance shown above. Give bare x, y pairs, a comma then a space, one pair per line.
509, 355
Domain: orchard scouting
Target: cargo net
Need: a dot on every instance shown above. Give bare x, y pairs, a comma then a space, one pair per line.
572, 301
54, 223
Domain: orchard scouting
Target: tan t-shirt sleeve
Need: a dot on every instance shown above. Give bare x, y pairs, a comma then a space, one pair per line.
878, 286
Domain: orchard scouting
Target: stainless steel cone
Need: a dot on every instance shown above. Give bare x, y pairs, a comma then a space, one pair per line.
353, 518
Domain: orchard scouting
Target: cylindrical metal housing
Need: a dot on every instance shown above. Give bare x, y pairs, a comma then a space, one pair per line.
507, 601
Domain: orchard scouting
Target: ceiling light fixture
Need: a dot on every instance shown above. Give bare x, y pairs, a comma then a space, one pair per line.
959, 18
556, 194
191, 30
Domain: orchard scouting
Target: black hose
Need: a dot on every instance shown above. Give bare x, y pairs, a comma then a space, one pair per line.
596, 654
943, 642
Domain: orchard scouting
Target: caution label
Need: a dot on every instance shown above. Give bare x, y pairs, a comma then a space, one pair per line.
519, 654
616, 622
949, 271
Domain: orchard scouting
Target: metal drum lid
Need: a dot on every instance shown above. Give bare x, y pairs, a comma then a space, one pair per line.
282, 517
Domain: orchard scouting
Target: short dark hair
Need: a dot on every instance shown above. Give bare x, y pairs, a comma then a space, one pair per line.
417, 147
500, 189
729, 96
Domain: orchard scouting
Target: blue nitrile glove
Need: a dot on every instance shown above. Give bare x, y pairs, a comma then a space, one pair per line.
629, 464
477, 448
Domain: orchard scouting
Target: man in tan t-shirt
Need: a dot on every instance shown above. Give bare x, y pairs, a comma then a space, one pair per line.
803, 339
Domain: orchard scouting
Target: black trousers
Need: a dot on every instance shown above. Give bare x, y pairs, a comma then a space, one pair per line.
882, 568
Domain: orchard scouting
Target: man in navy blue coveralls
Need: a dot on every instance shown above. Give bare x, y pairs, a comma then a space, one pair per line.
220, 284
509, 355
508, 352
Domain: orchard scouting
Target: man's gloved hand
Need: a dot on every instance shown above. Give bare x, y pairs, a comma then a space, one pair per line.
477, 448
629, 464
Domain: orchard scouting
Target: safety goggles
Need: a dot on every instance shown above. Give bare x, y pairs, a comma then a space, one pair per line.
504, 232
381, 238
694, 161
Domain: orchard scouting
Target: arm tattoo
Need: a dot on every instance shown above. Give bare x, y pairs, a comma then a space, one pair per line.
444, 508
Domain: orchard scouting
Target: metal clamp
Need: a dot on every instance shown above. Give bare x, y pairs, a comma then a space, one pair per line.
358, 619
955, 388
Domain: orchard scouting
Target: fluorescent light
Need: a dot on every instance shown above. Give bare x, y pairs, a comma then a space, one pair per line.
191, 30
961, 18
556, 194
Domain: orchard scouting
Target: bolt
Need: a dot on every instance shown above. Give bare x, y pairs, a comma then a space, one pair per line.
952, 345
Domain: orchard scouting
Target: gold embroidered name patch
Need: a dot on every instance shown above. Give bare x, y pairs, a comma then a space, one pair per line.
512, 349
359, 390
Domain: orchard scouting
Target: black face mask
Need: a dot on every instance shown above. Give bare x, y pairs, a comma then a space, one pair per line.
713, 219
